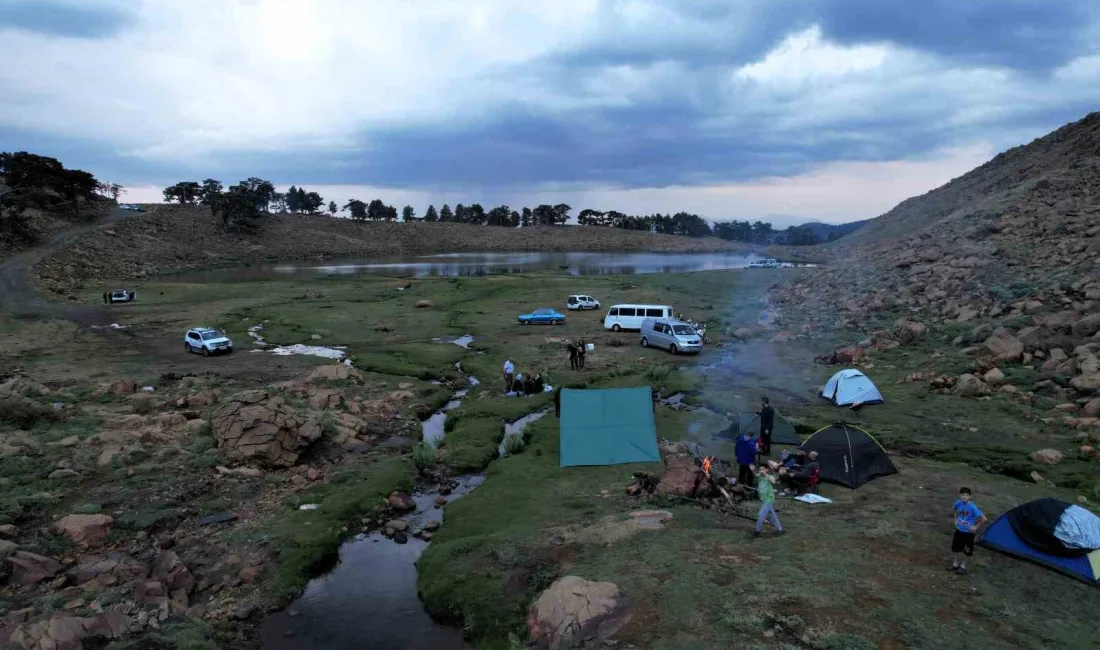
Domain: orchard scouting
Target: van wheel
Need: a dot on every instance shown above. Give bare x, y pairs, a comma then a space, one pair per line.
673, 349
645, 342
616, 328
206, 352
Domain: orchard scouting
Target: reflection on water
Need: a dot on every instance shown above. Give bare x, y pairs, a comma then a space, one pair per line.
474, 264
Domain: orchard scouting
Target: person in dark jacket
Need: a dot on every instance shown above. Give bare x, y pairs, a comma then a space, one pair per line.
767, 423
573, 356
745, 450
580, 353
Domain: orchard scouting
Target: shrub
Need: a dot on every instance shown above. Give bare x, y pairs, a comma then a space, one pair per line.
329, 424
423, 456
514, 445
24, 413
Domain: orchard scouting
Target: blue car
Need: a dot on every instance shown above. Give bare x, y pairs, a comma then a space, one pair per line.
544, 316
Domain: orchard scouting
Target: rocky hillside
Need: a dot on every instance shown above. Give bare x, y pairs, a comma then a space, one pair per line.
179, 237
1007, 257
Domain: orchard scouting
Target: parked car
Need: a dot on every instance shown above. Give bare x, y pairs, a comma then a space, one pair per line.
207, 341
770, 263
543, 316
630, 317
133, 207
579, 302
672, 335
121, 295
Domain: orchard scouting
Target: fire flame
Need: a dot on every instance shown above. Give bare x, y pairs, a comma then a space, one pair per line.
706, 465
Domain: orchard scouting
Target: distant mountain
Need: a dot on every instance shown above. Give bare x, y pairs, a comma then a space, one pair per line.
824, 231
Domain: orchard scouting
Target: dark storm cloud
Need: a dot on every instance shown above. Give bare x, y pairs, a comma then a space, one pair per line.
63, 18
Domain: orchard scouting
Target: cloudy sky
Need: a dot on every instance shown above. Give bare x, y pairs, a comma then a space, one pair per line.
789, 110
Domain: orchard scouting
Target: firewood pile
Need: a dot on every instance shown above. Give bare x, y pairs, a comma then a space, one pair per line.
700, 478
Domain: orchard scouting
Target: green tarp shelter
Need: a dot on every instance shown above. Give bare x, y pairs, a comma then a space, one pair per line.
782, 433
607, 427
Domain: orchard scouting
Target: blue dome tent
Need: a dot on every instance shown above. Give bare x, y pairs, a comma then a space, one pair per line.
1052, 533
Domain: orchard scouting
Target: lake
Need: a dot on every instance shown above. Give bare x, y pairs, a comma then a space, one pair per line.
475, 264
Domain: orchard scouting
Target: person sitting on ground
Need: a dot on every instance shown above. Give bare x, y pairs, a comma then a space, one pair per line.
536, 384
517, 384
800, 480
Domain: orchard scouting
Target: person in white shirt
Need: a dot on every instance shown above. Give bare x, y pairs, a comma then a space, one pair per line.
509, 374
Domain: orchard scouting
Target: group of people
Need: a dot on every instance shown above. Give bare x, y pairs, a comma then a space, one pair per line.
577, 351
516, 383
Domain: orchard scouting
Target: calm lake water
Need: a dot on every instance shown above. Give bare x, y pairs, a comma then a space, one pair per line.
474, 264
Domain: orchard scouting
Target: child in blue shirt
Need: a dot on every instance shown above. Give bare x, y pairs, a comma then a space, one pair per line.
967, 519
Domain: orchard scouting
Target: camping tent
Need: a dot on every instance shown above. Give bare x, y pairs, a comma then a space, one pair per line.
849, 455
607, 427
851, 388
1052, 533
782, 433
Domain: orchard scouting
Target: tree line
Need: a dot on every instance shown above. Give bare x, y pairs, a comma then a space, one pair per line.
29, 181
261, 197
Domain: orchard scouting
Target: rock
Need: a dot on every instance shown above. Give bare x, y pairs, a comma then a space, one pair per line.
121, 388
742, 333
424, 304
966, 314
1037, 478
401, 537
106, 570
781, 337
426, 536
194, 427
313, 474
432, 525
8, 530
968, 385
63, 631
29, 568
250, 574
398, 525
255, 427
335, 372
1088, 451
7, 548
994, 377
218, 518
1008, 389
244, 611
169, 569
573, 611
89, 530
1087, 384
1087, 326
70, 441
1047, 456
1066, 408
1003, 346
910, 332
401, 502
148, 592
63, 473
440, 502
1092, 408
397, 443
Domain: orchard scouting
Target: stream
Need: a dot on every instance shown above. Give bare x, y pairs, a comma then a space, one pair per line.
370, 599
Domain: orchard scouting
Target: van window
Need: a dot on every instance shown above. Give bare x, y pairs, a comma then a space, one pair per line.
614, 311
572, 300
654, 313
626, 311
661, 327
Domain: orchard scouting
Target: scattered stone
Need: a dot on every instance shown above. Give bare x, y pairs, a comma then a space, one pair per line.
909, 331
401, 501
574, 611
244, 611
335, 372
193, 427
994, 377
1009, 389
63, 631
1047, 456
426, 536
95, 572
1082, 499
401, 537
440, 502
1037, 478
424, 304
398, 525
1087, 326
1066, 408
250, 574
742, 334
70, 441
8, 530
121, 387
63, 473
89, 530
7, 548
313, 474
1088, 451
1003, 346
29, 568
397, 443
1092, 408
968, 385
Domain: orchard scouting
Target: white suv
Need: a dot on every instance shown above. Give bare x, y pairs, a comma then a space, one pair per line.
579, 302
206, 341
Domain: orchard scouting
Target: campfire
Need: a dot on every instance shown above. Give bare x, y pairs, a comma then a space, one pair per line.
700, 478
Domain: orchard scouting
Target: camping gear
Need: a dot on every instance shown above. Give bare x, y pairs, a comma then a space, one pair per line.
1052, 533
590, 347
607, 427
748, 421
848, 455
851, 388
813, 498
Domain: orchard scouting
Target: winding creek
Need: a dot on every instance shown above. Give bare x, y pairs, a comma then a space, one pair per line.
370, 599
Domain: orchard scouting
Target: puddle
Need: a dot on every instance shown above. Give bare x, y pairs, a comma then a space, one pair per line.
370, 599
463, 341
516, 428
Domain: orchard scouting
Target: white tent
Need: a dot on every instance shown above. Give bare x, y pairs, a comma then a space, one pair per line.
851, 388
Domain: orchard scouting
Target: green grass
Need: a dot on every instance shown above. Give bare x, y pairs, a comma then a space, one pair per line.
306, 541
472, 444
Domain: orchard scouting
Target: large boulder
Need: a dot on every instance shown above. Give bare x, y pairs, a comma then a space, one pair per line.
994, 377
63, 631
89, 530
255, 427
1092, 408
29, 568
970, 386
573, 611
120, 387
909, 331
1087, 384
1087, 326
1047, 456
96, 572
1003, 346
335, 372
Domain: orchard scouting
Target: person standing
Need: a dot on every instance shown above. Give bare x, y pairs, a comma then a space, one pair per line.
573, 355
767, 423
967, 519
581, 349
105, 300
765, 487
509, 374
745, 450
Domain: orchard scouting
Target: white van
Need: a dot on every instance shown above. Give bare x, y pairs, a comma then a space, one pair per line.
631, 317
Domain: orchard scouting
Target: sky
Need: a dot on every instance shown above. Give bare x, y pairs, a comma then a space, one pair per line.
785, 110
